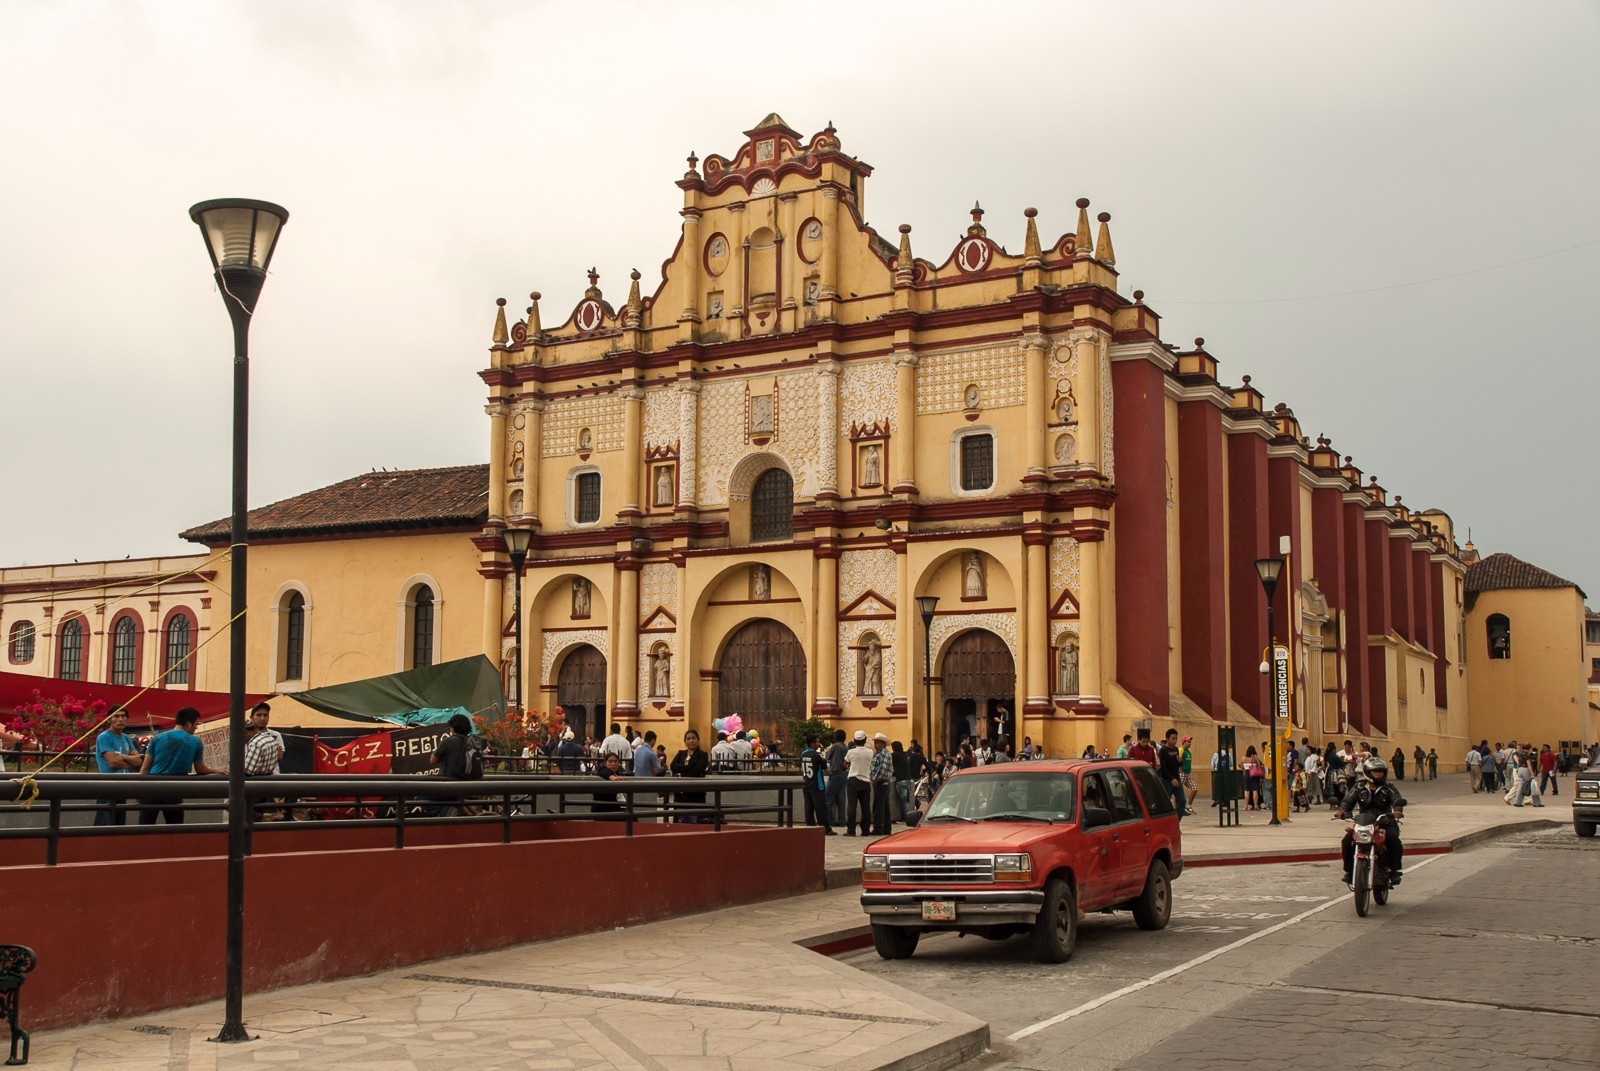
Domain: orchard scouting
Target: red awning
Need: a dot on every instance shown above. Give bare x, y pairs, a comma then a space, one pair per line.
155, 707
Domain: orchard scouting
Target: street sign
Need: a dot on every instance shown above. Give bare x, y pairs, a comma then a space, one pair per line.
1280, 680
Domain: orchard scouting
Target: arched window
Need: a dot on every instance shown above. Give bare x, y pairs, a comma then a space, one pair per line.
179, 641
772, 506
976, 461
69, 652
422, 628
294, 647
125, 651
21, 643
1499, 628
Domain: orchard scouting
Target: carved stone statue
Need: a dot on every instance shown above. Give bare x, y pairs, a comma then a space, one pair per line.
970, 396
761, 582
664, 489
1064, 410
580, 597
871, 675
585, 440
1067, 669
661, 672
872, 467
974, 584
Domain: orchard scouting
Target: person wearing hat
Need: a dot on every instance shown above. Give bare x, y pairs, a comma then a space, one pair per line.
858, 788
569, 753
882, 774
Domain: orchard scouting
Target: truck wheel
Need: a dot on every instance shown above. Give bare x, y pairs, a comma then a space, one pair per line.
894, 942
1055, 933
1584, 829
1154, 906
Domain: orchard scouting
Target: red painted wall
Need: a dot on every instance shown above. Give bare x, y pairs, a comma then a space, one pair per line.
1202, 602
1439, 579
1247, 541
1139, 523
312, 916
1356, 621
1400, 587
1421, 599
1283, 498
1379, 621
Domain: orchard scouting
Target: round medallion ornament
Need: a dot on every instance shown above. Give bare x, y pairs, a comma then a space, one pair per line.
716, 258
973, 255
589, 315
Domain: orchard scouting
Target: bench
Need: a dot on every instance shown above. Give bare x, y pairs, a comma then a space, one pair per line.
15, 961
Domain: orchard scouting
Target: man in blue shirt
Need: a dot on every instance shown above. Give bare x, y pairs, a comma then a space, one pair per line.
174, 754
814, 770
646, 763
114, 753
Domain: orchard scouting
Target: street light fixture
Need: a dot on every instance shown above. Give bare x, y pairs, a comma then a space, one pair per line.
240, 236
926, 604
1269, 570
517, 541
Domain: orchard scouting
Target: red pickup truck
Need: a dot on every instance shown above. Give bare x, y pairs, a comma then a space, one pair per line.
1027, 848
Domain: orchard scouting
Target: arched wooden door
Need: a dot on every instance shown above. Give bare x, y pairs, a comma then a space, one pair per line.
581, 691
763, 677
979, 686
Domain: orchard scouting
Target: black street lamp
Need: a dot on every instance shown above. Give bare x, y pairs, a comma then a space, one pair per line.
926, 604
517, 540
240, 236
1269, 570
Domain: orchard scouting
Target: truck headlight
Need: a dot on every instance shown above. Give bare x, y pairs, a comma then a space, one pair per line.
1014, 867
874, 868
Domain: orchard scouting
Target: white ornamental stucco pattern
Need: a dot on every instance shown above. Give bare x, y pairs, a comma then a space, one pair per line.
722, 418
1108, 459
660, 418
1002, 625
867, 395
1058, 369
563, 420
861, 571
556, 642
997, 371
850, 633
1063, 568
658, 586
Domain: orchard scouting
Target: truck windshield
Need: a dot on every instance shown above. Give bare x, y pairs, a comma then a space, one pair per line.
975, 797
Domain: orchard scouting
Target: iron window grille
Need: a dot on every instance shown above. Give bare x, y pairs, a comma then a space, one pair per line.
124, 651
175, 666
294, 648
587, 507
422, 629
772, 507
22, 642
977, 462
69, 665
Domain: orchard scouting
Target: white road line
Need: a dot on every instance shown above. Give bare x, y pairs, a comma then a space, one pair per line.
1171, 972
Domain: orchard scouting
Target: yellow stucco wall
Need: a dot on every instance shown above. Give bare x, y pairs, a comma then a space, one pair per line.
1540, 693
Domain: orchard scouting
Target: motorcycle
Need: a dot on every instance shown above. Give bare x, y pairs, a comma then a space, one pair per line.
1370, 872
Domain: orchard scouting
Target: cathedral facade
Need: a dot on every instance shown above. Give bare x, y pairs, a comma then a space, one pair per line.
973, 492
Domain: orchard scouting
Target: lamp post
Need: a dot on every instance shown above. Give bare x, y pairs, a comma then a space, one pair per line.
517, 540
240, 237
1269, 570
926, 604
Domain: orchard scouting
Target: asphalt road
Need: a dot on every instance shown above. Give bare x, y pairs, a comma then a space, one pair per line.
1481, 959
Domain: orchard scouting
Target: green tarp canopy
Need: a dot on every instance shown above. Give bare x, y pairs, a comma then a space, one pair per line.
416, 697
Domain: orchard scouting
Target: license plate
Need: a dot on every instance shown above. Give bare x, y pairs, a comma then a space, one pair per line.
938, 911
1588, 792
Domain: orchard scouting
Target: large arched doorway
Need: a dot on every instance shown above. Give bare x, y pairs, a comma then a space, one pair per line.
581, 691
763, 678
980, 688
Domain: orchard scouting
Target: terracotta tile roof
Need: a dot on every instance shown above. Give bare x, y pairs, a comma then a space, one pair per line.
1501, 571
373, 501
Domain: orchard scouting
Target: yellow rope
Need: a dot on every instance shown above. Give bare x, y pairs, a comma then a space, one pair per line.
29, 782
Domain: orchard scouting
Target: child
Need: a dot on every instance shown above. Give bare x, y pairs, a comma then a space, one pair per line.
1297, 788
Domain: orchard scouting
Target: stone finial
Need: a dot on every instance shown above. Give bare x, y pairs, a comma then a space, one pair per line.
1030, 241
633, 290
501, 335
535, 329
594, 284
1246, 381
976, 229
904, 266
1082, 243
1199, 343
1138, 299
1102, 243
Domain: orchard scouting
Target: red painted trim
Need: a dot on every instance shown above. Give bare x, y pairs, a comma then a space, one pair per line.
83, 660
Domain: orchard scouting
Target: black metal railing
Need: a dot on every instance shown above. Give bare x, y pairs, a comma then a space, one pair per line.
68, 802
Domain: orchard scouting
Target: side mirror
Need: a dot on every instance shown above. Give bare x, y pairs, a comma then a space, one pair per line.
1095, 817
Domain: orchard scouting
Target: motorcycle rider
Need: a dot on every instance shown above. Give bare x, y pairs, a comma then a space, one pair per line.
1374, 795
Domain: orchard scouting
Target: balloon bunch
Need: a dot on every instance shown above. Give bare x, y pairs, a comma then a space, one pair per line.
732, 724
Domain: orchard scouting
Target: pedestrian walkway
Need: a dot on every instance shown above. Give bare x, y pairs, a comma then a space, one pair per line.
733, 990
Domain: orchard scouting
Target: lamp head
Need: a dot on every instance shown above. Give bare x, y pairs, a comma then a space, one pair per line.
240, 236
1269, 570
517, 542
926, 604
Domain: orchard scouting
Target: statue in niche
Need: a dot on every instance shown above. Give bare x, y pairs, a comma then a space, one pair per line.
516, 469
661, 672
585, 441
974, 585
813, 291
870, 676
1064, 410
761, 414
665, 495
970, 396
1067, 668
871, 467
580, 597
761, 582
714, 307
516, 503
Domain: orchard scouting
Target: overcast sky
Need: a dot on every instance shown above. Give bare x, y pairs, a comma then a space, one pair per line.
436, 156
